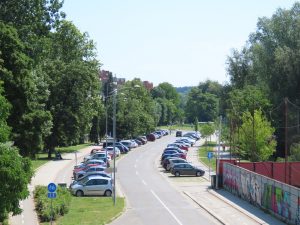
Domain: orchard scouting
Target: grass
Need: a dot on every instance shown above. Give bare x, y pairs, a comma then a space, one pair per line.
203, 150
91, 210
42, 158
186, 127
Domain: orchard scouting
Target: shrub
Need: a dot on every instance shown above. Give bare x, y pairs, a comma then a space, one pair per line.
60, 205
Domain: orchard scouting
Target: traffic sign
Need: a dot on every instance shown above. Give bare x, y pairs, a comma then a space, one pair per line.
51, 194
51, 187
210, 155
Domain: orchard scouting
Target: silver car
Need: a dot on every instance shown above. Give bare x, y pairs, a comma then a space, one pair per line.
174, 162
93, 185
89, 170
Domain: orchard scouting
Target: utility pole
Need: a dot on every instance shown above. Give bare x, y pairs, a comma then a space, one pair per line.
218, 155
285, 142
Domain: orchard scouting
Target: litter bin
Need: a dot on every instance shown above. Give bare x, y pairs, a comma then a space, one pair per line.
213, 181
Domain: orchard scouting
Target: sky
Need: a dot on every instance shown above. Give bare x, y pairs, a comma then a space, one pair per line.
182, 42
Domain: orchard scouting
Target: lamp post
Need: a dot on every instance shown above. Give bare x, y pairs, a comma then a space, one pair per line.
114, 142
114, 93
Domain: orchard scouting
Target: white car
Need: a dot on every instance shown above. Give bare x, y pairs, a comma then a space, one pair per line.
110, 151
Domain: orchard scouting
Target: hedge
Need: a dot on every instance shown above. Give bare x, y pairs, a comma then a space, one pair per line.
60, 204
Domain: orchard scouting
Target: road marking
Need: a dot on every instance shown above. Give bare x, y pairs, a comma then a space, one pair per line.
136, 172
134, 165
144, 183
163, 204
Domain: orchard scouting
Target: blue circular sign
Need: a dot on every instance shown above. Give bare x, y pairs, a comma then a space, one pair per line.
51, 187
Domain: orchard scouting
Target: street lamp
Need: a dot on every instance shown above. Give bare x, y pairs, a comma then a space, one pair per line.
114, 93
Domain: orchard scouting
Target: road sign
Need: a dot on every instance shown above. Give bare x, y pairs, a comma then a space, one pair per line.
51, 187
51, 194
210, 155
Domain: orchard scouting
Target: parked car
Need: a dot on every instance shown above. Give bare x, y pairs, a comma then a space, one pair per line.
129, 144
99, 162
93, 185
151, 137
173, 162
142, 139
179, 155
186, 169
179, 133
97, 155
181, 146
188, 140
91, 169
110, 150
119, 145
99, 173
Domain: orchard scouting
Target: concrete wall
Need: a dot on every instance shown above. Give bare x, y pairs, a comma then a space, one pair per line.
279, 199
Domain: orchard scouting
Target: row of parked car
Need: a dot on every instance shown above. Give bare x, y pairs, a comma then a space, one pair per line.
92, 177
173, 158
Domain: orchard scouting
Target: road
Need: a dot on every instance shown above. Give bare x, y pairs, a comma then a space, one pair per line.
150, 198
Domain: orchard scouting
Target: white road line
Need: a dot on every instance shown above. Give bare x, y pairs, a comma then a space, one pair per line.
163, 204
136, 172
144, 183
134, 165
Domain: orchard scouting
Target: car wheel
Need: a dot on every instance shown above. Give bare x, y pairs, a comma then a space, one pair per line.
177, 174
79, 193
198, 173
107, 193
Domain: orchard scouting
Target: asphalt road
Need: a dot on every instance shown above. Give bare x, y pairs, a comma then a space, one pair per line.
150, 198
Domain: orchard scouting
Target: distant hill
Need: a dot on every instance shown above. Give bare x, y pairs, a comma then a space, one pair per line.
183, 90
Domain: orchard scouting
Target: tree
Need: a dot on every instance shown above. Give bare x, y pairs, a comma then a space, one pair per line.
15, 174
15, 171
4, 109
135, 110
295, 152
207, 130
256, 140
169, 100
74, 86
201, 105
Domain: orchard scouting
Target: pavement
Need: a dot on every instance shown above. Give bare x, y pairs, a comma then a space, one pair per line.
224, 206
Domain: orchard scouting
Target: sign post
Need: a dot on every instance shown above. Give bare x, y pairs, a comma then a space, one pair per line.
209, 156
51, 195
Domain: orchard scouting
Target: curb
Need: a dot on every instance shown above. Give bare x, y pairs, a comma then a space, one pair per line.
120, 213
259, 221
206, 209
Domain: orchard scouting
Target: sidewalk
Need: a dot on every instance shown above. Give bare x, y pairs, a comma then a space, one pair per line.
225, 207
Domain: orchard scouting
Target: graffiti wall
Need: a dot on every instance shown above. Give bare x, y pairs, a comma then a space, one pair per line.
281, 200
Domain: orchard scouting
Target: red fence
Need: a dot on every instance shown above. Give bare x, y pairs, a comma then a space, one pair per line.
288, 173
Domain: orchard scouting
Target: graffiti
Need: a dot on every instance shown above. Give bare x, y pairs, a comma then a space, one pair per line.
230, 180
245, 184
266, 193
255, 191
297, 221
277, 200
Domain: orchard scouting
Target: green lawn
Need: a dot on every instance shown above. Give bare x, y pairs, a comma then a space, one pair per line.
91, 211
42, 158
186, 127
203, 155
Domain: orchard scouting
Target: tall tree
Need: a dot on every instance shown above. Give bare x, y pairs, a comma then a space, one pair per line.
74, 85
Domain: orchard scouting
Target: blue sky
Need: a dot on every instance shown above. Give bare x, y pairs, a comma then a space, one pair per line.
175, 41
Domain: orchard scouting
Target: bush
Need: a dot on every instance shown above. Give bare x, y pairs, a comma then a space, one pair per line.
60, 205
